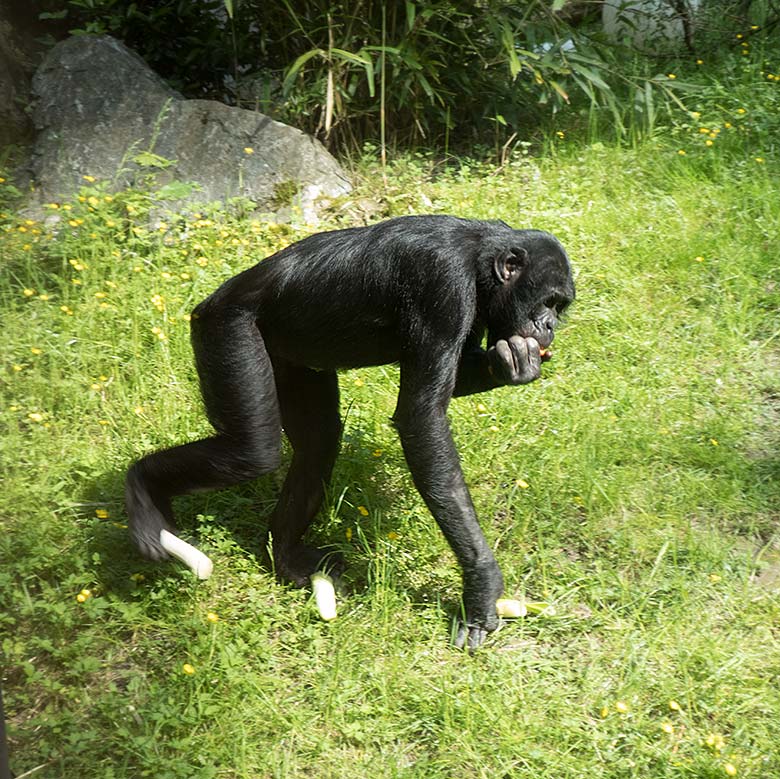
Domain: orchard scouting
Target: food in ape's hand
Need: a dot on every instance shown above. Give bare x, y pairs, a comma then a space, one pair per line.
324, 595
193, 558
545, 354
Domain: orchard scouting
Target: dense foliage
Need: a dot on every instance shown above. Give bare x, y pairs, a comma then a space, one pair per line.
449, 73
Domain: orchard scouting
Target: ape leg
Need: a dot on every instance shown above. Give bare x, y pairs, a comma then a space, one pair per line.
237, 383
309, 403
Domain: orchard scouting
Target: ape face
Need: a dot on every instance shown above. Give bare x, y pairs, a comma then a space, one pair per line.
534, 286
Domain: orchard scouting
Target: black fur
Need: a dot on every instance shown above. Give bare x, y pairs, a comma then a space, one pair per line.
420, 290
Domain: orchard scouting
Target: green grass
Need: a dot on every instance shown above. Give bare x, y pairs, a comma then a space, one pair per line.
635, 487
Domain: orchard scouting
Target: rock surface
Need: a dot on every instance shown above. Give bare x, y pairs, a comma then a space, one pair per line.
100, 111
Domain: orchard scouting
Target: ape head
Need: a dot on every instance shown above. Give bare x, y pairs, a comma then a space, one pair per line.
531, 286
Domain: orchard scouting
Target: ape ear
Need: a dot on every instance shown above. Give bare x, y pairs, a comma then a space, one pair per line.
508, 265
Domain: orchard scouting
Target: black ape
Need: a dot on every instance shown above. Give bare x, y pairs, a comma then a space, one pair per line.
418, 290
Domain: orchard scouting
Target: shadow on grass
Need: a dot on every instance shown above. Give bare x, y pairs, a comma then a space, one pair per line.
244, 512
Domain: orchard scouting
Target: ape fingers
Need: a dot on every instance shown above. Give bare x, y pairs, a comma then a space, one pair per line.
515, 361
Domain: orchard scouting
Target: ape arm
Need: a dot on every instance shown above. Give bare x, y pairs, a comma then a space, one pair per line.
421, 420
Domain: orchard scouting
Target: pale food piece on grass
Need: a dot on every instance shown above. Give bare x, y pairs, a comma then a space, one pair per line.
193, 558
513, 609
324, 595
540, 607
510, 609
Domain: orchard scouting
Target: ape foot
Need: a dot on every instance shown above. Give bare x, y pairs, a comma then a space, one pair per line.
296, 564
146, 518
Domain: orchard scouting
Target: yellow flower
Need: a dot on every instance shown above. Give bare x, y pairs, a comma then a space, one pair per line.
698, 259
348, 533
248, 150
36, 350
35, 416
44, 296
494, 428
84, 596
359, 382
138, 410
730, 769
674, 706
28, 293
621, 707
715, 741
377, 452
188, 669
699, 62
672, 75
708, 142
362, 510
212, 617
90, 179
714, 441
393, 536
741, 111
481, 407
714, 578
760, 160
604, 713
704, 130
739, 36
522, 483
667, 728
560, 134
102, 513
681, 152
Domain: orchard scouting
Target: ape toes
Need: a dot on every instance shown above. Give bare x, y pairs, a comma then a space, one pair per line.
146, 536
297, 564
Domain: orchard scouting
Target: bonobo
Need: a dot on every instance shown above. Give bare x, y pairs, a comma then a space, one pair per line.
422, 291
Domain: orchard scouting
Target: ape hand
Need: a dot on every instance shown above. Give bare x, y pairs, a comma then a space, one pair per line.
479, 619
515, 361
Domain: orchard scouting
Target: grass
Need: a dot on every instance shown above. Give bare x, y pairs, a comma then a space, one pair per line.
634, 487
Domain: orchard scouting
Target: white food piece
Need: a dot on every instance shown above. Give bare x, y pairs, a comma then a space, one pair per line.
193, 558
324, 595
510, 609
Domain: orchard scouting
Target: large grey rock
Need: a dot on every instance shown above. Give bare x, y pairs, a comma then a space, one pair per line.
100, 111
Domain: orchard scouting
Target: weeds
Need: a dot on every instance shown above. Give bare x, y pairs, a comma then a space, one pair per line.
634, 487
